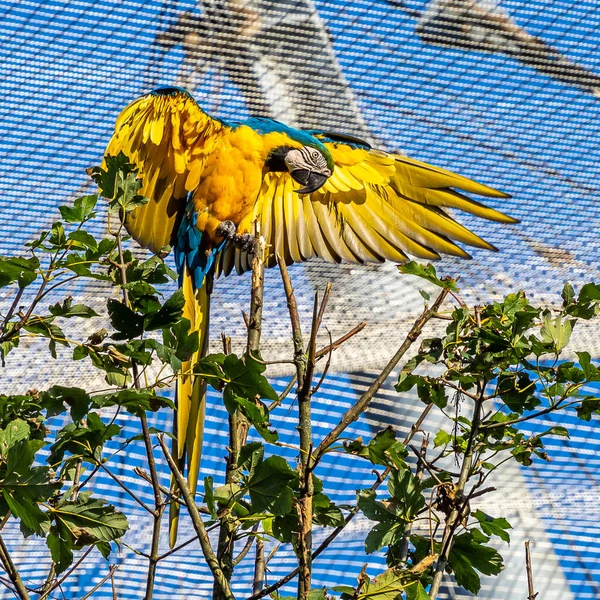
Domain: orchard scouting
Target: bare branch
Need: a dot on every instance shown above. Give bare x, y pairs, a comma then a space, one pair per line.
111, 571
360, 406
259, 566
531, 590
12, 572
198, 524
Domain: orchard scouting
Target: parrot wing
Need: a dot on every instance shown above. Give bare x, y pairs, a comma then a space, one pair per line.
376, 206
167, 136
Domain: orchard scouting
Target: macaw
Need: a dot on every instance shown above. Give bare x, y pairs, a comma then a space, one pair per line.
314, 193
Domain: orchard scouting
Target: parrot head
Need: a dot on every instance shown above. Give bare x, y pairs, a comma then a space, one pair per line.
310, 166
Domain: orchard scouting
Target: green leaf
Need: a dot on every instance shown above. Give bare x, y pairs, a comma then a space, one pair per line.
169, 314
68, 309
85, 521
384, 446
568, 294
27, 511
19, 269
246, 378
135, 402
286, 527
383, 534
57, 235
60, 543
404, 487
86, 442
78, 263
92, 518
374, 509
24, 486
119, 183
11, 340
469, 556
390, 585
428, 273
590, 405
556, 331
250, 456
491, 526
209, 496
54, 400
269, 486
14, 432
83, 239
179, 344
442, 438
517, 391
326, 513
82, 209
127, 323
416, 591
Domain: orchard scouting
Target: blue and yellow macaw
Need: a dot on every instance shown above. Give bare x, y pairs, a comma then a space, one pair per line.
315, 194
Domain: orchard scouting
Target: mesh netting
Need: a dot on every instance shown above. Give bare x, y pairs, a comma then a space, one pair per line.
503, 93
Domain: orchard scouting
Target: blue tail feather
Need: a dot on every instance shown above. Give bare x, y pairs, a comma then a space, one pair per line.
188, 250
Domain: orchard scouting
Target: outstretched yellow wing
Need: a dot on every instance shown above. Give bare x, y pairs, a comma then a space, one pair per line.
167, 136
376, 206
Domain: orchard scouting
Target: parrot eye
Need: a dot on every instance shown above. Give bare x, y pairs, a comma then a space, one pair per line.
315, 154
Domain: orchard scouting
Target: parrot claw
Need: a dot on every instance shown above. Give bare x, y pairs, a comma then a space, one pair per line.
245, 242
227, 230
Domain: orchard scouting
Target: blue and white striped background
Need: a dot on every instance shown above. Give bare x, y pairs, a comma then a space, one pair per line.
67, 68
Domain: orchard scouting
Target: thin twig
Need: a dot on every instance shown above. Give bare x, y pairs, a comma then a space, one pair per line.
12, 308
158, 500
539, 413
361, 405
305, 372
111, 571
124, 487
405, 544
68, 573
256, 299
329, 539
165, 490
456, 514
259, 566
532, 593
325, 351
12, 572
198, 524
186, 543
244, 551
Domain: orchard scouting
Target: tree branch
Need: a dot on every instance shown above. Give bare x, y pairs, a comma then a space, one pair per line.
353, 413
158, 500
327, 541
12, 572
531, 590
455, 515
198, 524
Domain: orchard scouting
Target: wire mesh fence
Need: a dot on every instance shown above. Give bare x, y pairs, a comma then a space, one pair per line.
505, 93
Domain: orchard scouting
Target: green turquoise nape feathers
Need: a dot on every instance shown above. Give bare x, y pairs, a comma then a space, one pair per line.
209, 180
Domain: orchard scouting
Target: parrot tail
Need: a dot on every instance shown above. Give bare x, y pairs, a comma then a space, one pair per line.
190, 396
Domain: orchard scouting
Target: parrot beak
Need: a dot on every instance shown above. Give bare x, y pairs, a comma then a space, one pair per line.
309, 179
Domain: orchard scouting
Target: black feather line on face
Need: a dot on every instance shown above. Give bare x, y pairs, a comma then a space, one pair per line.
275, 163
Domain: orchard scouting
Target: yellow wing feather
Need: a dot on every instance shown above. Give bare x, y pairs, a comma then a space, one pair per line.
167, 137
376, 206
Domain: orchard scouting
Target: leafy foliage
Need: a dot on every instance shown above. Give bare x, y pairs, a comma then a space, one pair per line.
505, 355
